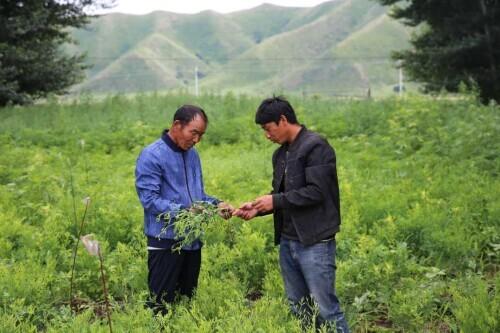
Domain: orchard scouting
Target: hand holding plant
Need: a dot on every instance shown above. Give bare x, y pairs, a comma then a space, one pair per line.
190, 224
225, 210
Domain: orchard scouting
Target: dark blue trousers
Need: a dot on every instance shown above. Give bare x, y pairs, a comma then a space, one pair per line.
171, 274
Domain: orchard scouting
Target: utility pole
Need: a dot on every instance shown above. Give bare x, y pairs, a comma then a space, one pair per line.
196, 81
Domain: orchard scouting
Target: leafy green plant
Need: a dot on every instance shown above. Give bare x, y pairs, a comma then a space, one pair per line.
476, 305
190, 224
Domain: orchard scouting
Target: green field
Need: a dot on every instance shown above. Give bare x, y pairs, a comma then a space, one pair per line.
420, 237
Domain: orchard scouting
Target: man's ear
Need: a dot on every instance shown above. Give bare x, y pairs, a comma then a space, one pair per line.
283, 119
177, 124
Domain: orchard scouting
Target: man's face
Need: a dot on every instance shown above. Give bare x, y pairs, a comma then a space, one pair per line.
186, 136
275, 132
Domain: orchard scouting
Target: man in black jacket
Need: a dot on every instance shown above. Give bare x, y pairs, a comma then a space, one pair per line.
306, 208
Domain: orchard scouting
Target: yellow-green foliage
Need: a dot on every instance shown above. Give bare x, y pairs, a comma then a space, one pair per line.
418, 249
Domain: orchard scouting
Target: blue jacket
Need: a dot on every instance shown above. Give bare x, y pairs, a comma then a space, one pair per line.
168, 179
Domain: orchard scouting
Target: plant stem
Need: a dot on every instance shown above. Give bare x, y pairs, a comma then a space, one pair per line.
86, 164
105, 290
87, 203
72, 191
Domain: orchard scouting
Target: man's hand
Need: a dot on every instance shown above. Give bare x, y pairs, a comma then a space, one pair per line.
263, 203
196, 208
246, 211
225, 210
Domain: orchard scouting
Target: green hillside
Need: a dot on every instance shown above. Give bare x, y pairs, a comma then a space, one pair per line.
111, 36
265, 20
338, 47
212, 36
306, 63
309, 15
368, 51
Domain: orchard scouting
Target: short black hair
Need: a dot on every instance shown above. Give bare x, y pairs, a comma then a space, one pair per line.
186, 113
271, 109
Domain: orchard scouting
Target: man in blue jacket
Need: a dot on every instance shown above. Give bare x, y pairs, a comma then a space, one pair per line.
168, 179
306, 207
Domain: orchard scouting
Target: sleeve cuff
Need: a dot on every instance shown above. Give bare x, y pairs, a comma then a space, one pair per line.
278, 201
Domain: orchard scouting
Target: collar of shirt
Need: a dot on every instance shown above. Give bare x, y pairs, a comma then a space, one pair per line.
291, 147
169, 142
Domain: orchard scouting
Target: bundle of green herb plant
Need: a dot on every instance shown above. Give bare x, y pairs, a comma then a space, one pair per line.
191, 224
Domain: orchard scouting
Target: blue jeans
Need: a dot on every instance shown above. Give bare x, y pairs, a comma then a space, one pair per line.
309, 276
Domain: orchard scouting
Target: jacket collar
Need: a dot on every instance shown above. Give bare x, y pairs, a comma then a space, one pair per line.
169, 142
294, 144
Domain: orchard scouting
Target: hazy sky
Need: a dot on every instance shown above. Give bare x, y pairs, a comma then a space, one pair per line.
195, 6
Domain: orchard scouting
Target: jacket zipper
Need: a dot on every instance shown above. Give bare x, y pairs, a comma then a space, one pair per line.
186, 177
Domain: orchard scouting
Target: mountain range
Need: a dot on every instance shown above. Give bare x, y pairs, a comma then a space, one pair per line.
340, 47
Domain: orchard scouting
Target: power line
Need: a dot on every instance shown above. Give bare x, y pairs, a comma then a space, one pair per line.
243, 59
